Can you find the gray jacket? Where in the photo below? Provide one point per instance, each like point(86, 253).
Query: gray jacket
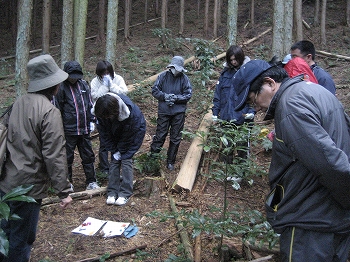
point(310, 171)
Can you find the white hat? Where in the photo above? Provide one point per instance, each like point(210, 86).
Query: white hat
point(286, 59)
point(178, 63)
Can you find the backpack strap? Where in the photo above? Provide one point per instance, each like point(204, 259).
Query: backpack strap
point(8, 110)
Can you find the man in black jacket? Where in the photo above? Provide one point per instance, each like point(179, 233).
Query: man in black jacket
point(309, 202)
point(74, 102)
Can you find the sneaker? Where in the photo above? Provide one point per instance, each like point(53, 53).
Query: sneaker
point(170, 167)
point(121, 201)
point(92, 185)
point(234, 179)
point(110, 200)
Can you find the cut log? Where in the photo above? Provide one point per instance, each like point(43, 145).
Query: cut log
point(189, 167)
point(333, 55)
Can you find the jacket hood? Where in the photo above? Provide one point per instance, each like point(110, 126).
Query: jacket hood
point(74, 70)
point(124, 111)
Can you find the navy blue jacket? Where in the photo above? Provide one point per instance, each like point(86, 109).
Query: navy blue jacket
point(223, 99)
point(167, 83)
point(74, 102)
point(324, 79)
point(124, 136)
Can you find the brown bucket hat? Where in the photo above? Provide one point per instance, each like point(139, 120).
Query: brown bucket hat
point(44, 73)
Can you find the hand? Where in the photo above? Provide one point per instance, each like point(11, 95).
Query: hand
point(66, 201)
point(107, 80)
point(117, 156)
point(214, 118)
point(169, 99)
point(92, 127)
point(249, 116)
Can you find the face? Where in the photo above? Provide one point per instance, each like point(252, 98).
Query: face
point(296, 53)
point(233, 61)
point(262, 99)
point(72, 80)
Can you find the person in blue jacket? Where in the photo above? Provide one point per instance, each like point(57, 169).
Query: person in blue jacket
point(223, 108)
point(173, 90)
point(122, 129)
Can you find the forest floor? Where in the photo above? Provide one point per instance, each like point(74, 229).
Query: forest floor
point(139, 58)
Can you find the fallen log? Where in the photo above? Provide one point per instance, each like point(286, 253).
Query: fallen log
point(76, 195)
point(333, 55)
point(189, 167)
point(116, 254)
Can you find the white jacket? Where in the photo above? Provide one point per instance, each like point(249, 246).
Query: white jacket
point(98, 89)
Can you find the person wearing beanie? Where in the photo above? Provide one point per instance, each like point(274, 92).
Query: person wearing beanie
point(74, 101)
point(36, 155)
point(173, 90)
point(309, 174)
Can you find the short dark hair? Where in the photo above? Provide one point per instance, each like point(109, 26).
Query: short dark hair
point(238, 52)
point(107, 106)
point(275, 72)
point(305, 47)
point(102, 67)
point(48, 92)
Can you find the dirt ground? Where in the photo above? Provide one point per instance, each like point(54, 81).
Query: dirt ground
point(136, 59)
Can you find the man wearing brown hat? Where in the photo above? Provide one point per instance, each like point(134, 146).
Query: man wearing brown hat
point(36, 154)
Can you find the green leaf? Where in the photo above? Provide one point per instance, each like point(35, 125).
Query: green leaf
point(4, 243)
point(21, 190)
point(4, 211)
point(24, 199)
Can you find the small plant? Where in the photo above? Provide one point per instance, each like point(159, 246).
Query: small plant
point(149, 163)
point(16, 194)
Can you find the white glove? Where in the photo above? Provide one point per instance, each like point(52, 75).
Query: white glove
point(214, 118)
point(92, 127)
point(249, 116)
point(117, 156)
point(107, 80)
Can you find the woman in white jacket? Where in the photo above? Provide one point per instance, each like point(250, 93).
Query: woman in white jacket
point(106, 80)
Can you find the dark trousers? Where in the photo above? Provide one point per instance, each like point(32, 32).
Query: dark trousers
point(83, 142)
point(21, 233)
point(120, 178)
point(166, 123)
point(103, 155)
point(301, 245)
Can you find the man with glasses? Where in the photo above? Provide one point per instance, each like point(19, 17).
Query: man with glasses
point(306, 50)
point(309, 202)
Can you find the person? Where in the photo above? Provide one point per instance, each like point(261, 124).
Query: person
point(297, 66)
point(309, 203)
point(222, 107)
point(122, 127)
point(306, 50)
point(106, 80)
point(74, 102)
point(36, 155)
point(173, 90)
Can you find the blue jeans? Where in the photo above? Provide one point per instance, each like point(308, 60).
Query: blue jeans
point(120, 187)
point(21, 233)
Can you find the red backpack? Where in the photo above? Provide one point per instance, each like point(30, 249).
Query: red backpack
point(297, 66)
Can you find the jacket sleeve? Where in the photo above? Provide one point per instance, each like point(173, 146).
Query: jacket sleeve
point(157, 90)
point(118, 85)
point(186, 94)
point(216, 100)
point(54, 152)
point(98, 89)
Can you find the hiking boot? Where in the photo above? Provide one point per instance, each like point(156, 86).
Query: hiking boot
point(170, 167)
point(121, 201)
point(92, 185)
point(110, 200)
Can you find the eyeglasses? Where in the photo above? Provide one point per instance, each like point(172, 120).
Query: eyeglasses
point(252, 103)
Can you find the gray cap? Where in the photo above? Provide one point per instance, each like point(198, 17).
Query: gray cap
point(44, 73)
point(178, 63)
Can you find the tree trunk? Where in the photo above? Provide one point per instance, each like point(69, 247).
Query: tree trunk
point(348, 13)
point(215, 19)
point(112, 27)
point(101, 37)
point(323, 23)
point(127, 19)
point(75, 19)
point(146, 12)
point(25, 8)
point(282, 27)
point(47, 7)
point(182, 16)
point(298, 20)
point(163, 25)
point(317, 12)
point(67, 32)
point(232, 12)
point(80, 33)
point(206, 18)
point(252, 11)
